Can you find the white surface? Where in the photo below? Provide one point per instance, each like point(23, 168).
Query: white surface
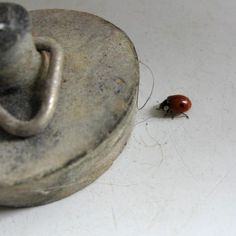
point(175, 177)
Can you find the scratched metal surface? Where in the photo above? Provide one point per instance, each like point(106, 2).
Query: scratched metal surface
point(94, 114)
point(175, 177)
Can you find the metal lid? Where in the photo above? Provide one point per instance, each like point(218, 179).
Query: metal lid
point(93, 117)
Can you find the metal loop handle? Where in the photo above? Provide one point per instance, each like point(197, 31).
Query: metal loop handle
point(49, 98)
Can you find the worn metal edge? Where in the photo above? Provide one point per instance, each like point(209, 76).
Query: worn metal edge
point(45, 190)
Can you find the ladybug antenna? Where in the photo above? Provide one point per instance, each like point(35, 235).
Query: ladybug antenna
point(153, 85)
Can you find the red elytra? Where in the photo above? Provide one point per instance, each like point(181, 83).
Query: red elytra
point(176, 104)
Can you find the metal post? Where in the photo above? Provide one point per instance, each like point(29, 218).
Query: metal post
point(19, 60)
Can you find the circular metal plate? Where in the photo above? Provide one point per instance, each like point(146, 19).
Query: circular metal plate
point(93, 117)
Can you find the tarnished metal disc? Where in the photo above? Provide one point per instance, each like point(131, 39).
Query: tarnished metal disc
point(93, 118)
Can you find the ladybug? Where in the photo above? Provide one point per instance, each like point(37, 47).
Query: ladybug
point(175, 104)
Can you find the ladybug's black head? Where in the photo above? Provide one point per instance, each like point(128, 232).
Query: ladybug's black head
point(164, 106)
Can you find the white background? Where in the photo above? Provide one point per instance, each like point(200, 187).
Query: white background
point(175, 177)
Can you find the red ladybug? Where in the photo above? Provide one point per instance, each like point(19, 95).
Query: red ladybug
point(176, 104)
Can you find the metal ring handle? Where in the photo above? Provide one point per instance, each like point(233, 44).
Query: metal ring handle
point(49, 95)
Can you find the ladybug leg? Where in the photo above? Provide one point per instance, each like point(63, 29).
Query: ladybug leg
point(170, 114)
point(185, 115)
point(165, 114)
